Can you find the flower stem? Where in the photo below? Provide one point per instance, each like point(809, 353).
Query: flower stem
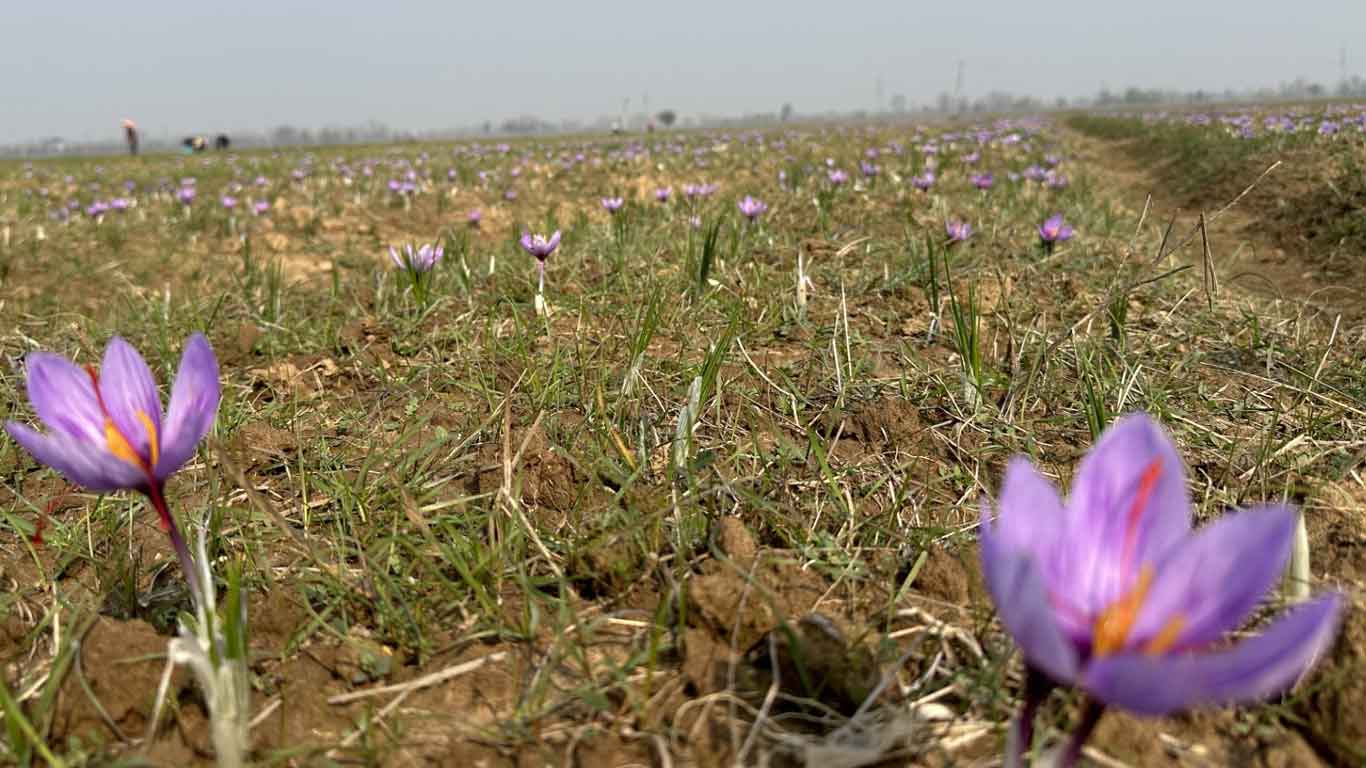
point(1090, 716)
point(1021, 736)
point(182, 552)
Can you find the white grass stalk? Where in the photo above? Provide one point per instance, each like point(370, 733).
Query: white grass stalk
point(203, 646)
point(1299, 562)
point(687, 422)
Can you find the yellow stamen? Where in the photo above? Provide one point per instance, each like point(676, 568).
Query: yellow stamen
point(1167, 637)
point(119, 446)
point(1114, 623)
point(123, 450)
point(151, 436)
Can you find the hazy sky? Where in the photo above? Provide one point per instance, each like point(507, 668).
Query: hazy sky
point(75, 68)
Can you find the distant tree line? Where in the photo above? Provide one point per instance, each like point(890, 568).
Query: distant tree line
point(994, 102)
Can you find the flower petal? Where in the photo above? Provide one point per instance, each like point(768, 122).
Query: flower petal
point(85, 464)
point(1030, 512)
point(1253, 669)
point(553, 242)
point(1210, 583)
point(1017, 588)
point(63, 396)
point(1128, 506)
point(130, 395)
point(194, 404)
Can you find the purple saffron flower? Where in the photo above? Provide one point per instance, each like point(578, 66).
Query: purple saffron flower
point(613, 204)
point(957, 230)
point(539, 245)
point(924, 181)
point(474, 217)
point(663, 194)
point(260, 207)
point(106, 430)
point(982, 181)
point(869, 170)
point(420, 260)
point(1112, 592)
point(837, 177)
point(229, 202)
point(751, 208)
point(186, 195)
point(1054, 230)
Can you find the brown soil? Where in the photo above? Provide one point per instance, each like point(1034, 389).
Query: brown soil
point(1282, 239)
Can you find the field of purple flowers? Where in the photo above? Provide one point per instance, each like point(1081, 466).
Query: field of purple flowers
point(850, 445)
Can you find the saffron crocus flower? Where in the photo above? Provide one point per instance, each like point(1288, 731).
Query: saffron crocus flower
point(229, 202)
point(837, 177)
point(1111, 592)
point(612, 204)
point(869, 170)
point(106, 430)
point(983, 181)
point(416, 260)
point(540, 247)
point(663, 194)
point(1053, 231)
point(418, 264)
point(474, 217)
point(751, 208)
point(957, 230)
point(260, 207)
point(924, 181)
point(186, 195)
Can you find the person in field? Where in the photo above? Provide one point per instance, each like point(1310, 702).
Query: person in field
point(130, 135)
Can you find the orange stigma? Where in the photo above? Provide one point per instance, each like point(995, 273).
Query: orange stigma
point(120, 445)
